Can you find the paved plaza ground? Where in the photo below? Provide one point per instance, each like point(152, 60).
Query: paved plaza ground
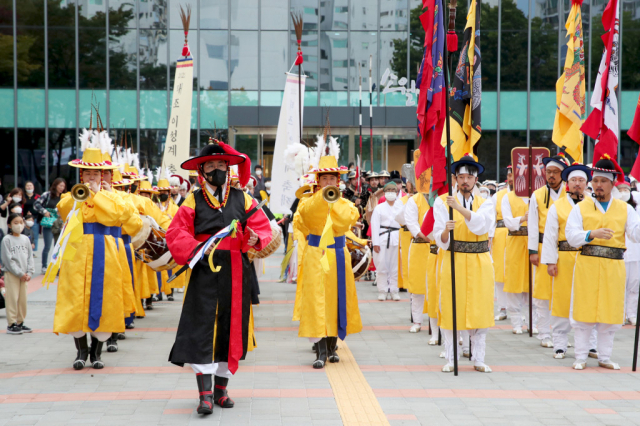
point(386, 376)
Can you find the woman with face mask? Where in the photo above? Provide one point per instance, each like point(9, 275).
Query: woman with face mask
point(14, 197)
point(29, 207)
point(45, 206)
point(631, 258)
point(17, 264)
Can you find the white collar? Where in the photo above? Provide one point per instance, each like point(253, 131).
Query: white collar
point(210, 189)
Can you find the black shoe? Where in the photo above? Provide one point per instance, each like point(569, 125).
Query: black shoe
point(332, 347)
point(149, 307)
point(121, 336)
point(95, 352)
point(206, 394)
point(14, 329)
point(402, 290)
point(83, 352)
point(321, 355)
point(170, 298)
point(112, 343)
point(130, 326)
point(139, 317)
point(24, 328)
point(220, 395)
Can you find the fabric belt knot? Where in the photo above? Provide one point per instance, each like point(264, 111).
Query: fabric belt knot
point(500, 224)
point(388, 230)
point(522, 232)
point(338, 246)
point(99, 231)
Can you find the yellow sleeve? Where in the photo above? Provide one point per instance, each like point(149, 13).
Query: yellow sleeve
point(65, 205)
point(349, 234)
point(131, 220)
point(154, 211)
point(298, 224)
point(109, 208)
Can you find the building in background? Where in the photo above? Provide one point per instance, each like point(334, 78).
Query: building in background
point(60, 54)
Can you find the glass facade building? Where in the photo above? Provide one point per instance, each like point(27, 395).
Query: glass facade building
point(59, 56)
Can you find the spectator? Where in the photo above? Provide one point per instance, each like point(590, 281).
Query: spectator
point(17, 261)
point(29, 223)
point(259, 186)
point(14, 197)
point(30, 199)
point(45, 206)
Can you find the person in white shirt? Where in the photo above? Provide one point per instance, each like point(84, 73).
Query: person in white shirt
point(498, 236)
point(631, 257)
point(385, 240)
point(473, 218)
point(600, 226)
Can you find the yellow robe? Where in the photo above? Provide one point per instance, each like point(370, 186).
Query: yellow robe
point(516, 278)
point(499, 243)
point(542, 284)
point(599, 283)
point(418, 252)
point(318, 301)
point(134, 294)
point(561, 284)
point(403, 255)
point(431, 302)
point(474, 281)
point(75, 280)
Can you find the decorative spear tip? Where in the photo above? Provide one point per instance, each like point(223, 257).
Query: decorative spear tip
point(297, 25)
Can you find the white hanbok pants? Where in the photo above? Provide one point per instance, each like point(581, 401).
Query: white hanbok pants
point(417, 306)
point(386, 268)
point(561, 328)
point(478, 338)
point(220, 369)
point(633, 287)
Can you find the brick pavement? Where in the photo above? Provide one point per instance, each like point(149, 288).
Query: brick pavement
point(277, 386)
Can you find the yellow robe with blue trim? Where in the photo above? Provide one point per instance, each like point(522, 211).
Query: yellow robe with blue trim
point(131, 228)
point(74, 283)
point(318, 299)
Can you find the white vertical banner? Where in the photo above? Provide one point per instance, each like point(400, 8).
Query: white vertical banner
point(284, 178)
point(176, 147)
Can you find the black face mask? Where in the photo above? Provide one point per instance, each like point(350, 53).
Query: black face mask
point(492, 191)
point(133, 188)
point(164, 197)
point(192, 180)
point(216, 177)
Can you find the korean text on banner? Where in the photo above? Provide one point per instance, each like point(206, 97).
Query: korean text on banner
point(283, 176)
point(176, 148)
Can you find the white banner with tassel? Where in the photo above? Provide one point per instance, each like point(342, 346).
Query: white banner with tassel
point(284, 176)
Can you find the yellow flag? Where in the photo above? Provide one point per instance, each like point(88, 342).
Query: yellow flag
point(570, 91)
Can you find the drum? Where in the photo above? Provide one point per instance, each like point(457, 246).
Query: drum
point(153, 248)
point(360, 260)
point(276, 241)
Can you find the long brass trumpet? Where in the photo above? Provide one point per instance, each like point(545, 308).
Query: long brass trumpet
point(80, 192)
point(331, 194)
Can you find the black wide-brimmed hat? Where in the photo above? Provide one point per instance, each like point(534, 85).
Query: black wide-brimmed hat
point(560, 159)
point(467, 160)
point(606, 164)
point(576, 166)
point(217, 150)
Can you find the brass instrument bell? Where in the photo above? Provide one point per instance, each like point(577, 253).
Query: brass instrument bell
point(80, 192)
point(331, 194)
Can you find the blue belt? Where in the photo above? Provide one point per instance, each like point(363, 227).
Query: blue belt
point(126, 239)
point(97, 271)
point(314, 241)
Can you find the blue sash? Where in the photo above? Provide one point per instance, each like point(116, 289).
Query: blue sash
point(159, 277)
point(338, 246)
point(126, 239)
point(98, 231)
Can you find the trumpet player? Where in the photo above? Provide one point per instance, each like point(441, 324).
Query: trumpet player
point(91, 288)
point(327, 303)
point(385, 240)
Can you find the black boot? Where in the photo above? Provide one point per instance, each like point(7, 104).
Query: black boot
point(112, 343)
point(149, 304)
point(321, 359)
point(206, 395)
point(170, 296)
point(83, 352)
point(220, 393)
point(121, 336)
point(332, 347)
point(96, 351)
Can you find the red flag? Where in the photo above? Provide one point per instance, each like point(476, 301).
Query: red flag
point(427, 224)
point(432, 102)
point(602, 123)
point(634, 133)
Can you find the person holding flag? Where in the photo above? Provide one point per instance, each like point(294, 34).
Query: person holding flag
point(216, 324)
point(541, 199)
point(599, 227)
point(473, 218)
point(560, 258)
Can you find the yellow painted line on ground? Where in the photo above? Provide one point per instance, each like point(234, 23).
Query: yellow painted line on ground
point(356, 401)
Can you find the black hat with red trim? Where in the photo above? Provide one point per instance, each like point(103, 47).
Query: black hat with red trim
point(217, 150)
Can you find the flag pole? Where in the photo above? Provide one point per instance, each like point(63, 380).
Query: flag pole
point(360, 120)
point(371, 111)
point(447, 66)
point(635, 345)
point(297, 24)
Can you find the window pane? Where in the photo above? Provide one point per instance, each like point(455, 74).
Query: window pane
point(62, 108)
point(508, 141)
point(487, 154)
point(393, 60)
point(61, 14)
point(123, 6)
point(153, 109)
point(274, 59)
point(393, 15)
point(152, 14)
point(310, 54)
point(309, 10)
point(244, 15)
point(544, 59)
point(31, 108)
point(62, 58)
point(364, 15)
point(333, 14)
point(62, 149)
point(489, 50)
point(30, 56)
point(248, 144)
point(215, 60)
point(92, 58)
point(514, 15)
point(363, 46)
point(90, 9)
point(513, 67)
point(274, 15)
point(31, 158)
point(122, 59)
point(334, 61)
point(6, 15)
point(153, 59)
point(244, 60)
point(6, 160)
point(214, 15)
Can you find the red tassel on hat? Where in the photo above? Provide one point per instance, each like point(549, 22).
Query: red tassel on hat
point(452, 41)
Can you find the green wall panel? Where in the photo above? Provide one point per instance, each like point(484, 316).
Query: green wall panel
point(6, 106)
point(122, 105)
point(62, 108)
point(488, 109)
point(513, 110)
point(543, 110)
point(30, 108)
point(629, 102)
point(213, 109)
point(153, 109)
point(87, 114)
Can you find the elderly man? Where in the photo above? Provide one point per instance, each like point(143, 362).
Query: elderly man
point(216, 326)
point(473, 218)
point(599, 226)
point(541, 200)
